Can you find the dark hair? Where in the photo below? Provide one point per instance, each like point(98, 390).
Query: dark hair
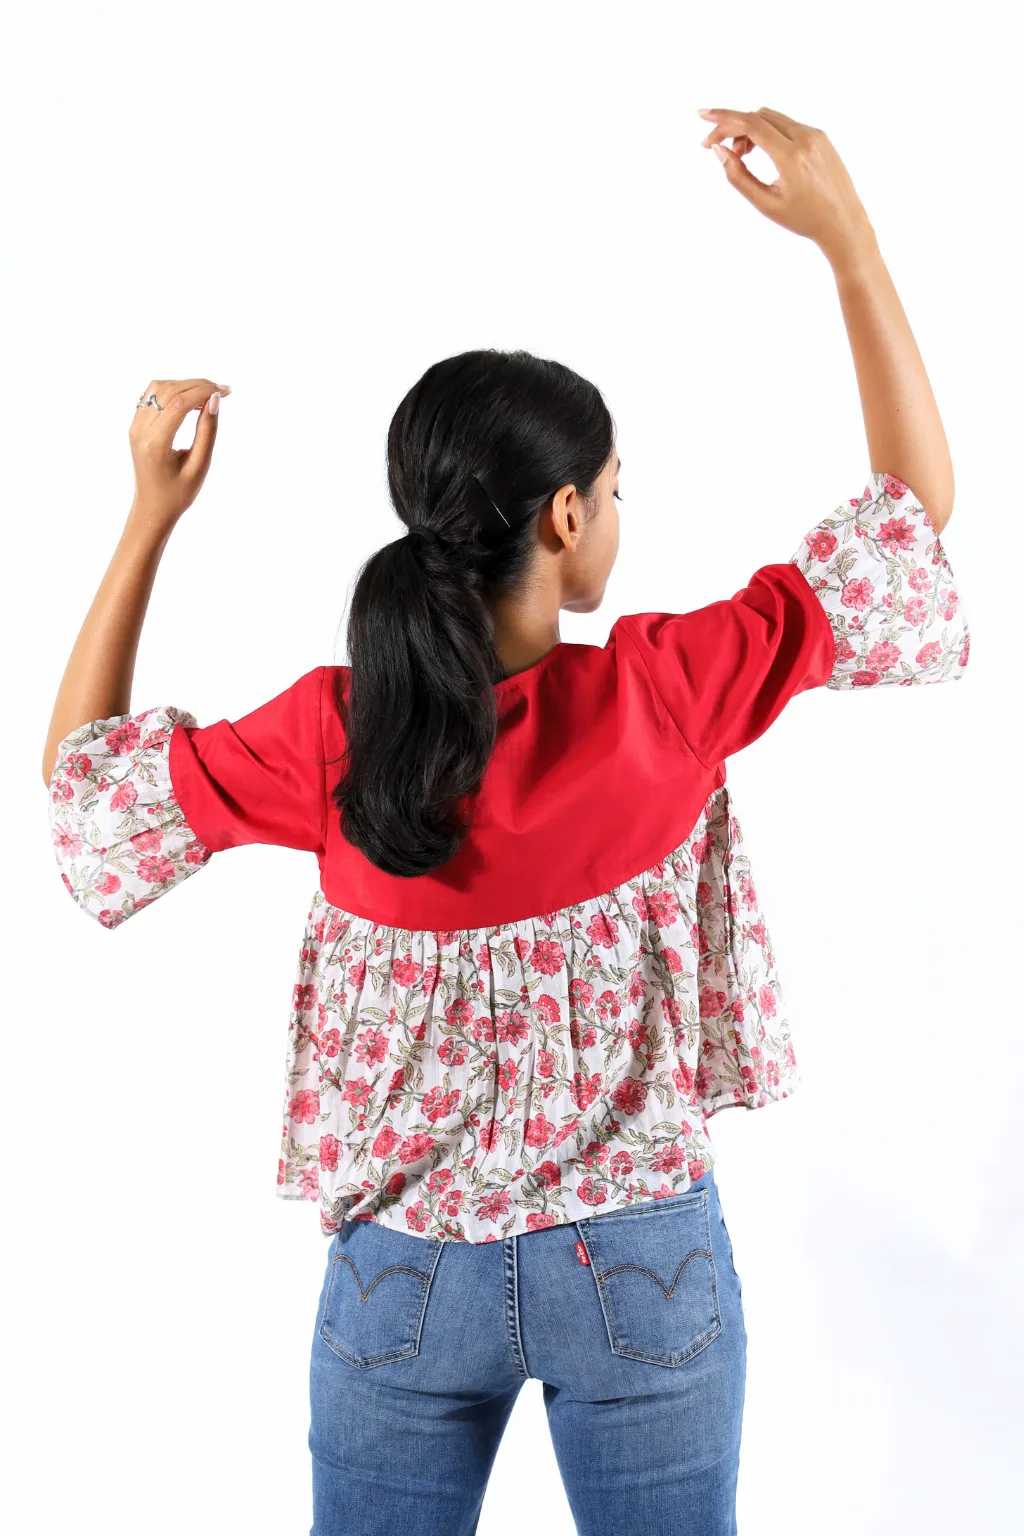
point(421, 716)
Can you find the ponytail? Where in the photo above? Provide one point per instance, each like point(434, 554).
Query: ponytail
point(475, 450)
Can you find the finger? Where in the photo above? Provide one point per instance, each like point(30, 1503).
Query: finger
point(197, 458)
point(763, 196)
point(165, 389)
point(731, 125)
point(177, 405)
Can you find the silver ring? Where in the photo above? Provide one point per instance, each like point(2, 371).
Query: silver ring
point(149, 400)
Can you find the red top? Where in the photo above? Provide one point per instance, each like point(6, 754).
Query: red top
point(604, 759)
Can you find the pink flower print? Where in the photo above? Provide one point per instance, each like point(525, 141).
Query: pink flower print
point(883, 656)
point(371, 1046)
point(670, 1009)
point(537, 1131)
point(492, 1206)
point(608, 1006)
point(928, 653)
point(304, 1107)
point(110, 918)
point(483, 958)
point(858, 593)
point(548, 1175)
point(453, 1052)
point(546, 1009)
point(548, 957)
point(915, 611)
point(512, 1027)
point(521, 947)
point(766, 999)
point(459, 1013)
point(304, 997)
point(357, 1092)
point(77, 765)
point(711, 1002)
point(946, 605)
point(330, 1042)
point(508, 1072)
point(357, 974)
point(536, 1220)
point(896, 534)
point(667, 1159)
point(696, 1168)
point(329, 1153)
point(592, 1192)
point(682, 1076)
point(699, 847)
point(640, 907)
point(672, 962)
point(439, 1180)
point(438, 1105)
point(894, 488)
point(405, 970)
point(585, 1089)
point(62, 792)
point(821, 544)
point(747, 890)
point(621, 1165)
point(156, 869)
point(489, 1135)
point(123, 739)
point(395, 1185)
point(415, 1147)
point(582, 1035)
point(603, 931)
point(630, 1096)
point(545, 1064)
point(965, 652)
point(663, 907)
point(107, 884)
point(864, 679)
point(581, 993)
point(417, 1216)
point(920, 579)
point(196, 852)
point(385, 1142)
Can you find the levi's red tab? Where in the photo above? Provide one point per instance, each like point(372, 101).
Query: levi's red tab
point(581, 1253)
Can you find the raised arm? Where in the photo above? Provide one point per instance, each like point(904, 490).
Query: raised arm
point(97, 681)
point(815, 197)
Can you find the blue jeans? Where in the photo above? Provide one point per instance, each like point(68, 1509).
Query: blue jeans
point(632, 1320)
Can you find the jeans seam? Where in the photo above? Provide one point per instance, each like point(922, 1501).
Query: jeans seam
point(510, 1263)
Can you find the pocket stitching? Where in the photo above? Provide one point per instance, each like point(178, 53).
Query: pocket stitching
point(404, 1351)
point(607, 1307)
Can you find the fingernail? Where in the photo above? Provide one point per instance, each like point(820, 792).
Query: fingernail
point(213, 405)
point(721, 152)
point(225, 389)
point(703, 111)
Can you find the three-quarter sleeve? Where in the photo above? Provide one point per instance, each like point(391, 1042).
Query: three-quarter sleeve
point(878, 568)
point(120, 836)
point(868, 598)
point(138, 802)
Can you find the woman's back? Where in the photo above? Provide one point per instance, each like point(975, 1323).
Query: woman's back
point(542, 1026)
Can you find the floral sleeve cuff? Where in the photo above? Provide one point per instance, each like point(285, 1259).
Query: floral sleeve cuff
point(120, 837)
point(879, 569)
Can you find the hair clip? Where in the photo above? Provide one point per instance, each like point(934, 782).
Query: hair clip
point(492, 501)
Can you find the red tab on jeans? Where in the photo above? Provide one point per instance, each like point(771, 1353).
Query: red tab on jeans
point(581, 1253)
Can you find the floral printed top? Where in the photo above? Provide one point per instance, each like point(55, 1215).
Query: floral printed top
point(541, 1029)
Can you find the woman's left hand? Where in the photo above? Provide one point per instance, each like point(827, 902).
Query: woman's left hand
point(168, 479)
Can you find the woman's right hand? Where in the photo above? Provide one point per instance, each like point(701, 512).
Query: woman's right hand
point(813, 196)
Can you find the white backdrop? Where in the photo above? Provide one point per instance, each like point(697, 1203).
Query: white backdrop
point(313, 203)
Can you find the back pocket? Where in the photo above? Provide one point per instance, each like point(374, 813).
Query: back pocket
point(377, 1292)
point(655, 1275)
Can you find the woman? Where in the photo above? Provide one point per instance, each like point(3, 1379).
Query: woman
point(534, 965)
